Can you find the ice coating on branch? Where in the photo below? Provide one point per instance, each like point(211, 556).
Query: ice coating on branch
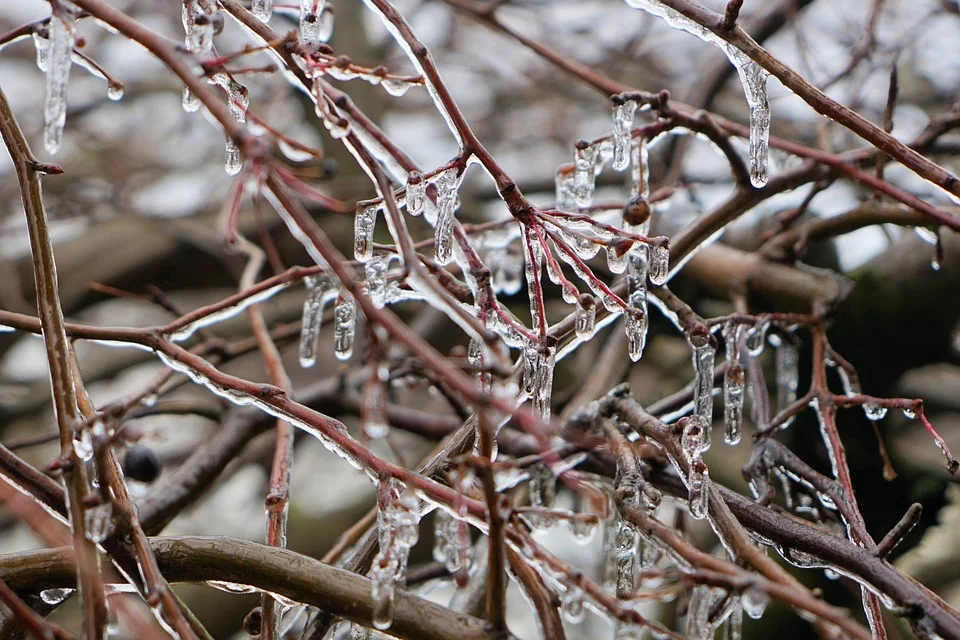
point(703, 357)
point(623, 112)
point(416, 193)
point(692, 441)
point(344, 326)
point(753, 77)
point(698, 614)
point(310, 22)
point(318, 294)
point(262, 9)
point(585, 166)
point(733, 384)
point(735, 623)
point(396, 86)
point(364, 225)
point(398, 522)
point(58, 61)
point(83, 444)
point(446, 183)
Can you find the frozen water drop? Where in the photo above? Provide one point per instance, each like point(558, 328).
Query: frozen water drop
point(364, 225)
point(345, 319)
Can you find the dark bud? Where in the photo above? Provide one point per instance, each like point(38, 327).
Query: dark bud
point(636, 211)
point(253, 622)
point(142, 464)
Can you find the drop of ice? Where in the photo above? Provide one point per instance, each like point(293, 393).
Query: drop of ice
point(395, 86)
point(115, 91)
point(54, 597)
point(97, 521)
point(754, 602)
point(232, 160)
point(572, 605)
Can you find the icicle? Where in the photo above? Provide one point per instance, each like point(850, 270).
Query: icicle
point(623, 112)
point(310, 11)
point(376, 272)
point(659, 263)
point(533, 261)
point(584, 528)
point(586, 317)
point(446, 184)
point(543, 485)
point(733, 384)
point(635, 317)
point(543, 381)
point(787, 362)
point(698, 614)
point(364, 225)
point(625, 552)
point(754, 80)
point(445, 550)
point(262, 9)
point(200, 35)
point(317, 292)
point(416, 193)
point(565, 189)
point(752, 77)
point(398, 530)
point(695, 431)
point(585, 163)
point(345, 319)
point(59, 59)
point(703, 356)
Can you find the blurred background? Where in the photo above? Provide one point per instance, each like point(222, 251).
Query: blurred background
point(144, 183)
